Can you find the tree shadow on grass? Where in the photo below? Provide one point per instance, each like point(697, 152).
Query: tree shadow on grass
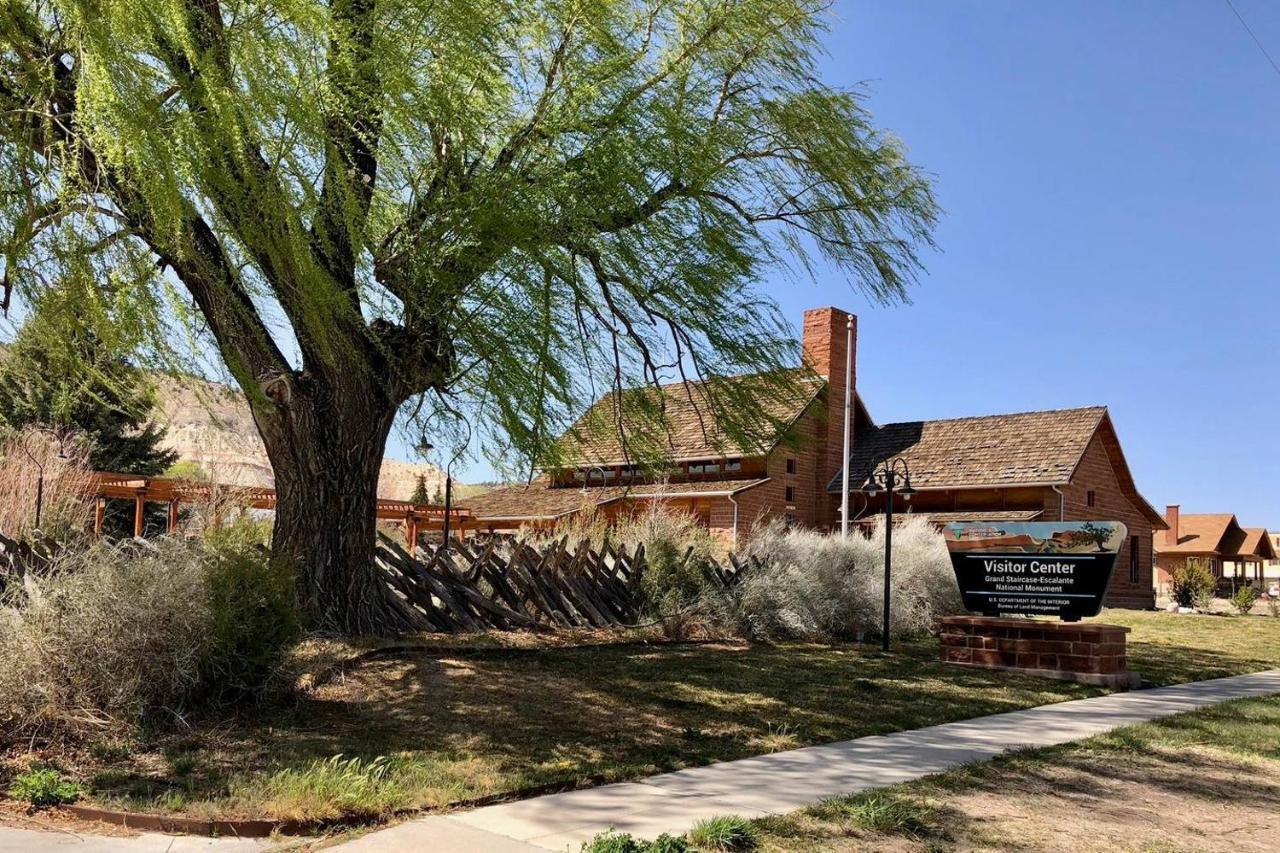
point(1161, 664)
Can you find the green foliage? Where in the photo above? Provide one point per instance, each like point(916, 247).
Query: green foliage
point(724, 834)
point(505, 203)
point(1244, 599)
point(878, 811)
point(613, 841)
point(1192, 584)
point(60, 374)
point(339, 785)
point(419, 495)
point(670, 581)
point(668, 844)
point(253, 614)
point(186, 469)
point(44, 787)
point(1091, 534)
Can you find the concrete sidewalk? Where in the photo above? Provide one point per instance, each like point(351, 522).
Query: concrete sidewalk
point(68, 841)
point(768, 784)
point(786, 781)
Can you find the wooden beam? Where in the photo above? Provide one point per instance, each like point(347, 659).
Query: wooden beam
point(99, 510)
point(139, 508)
point(173, 515)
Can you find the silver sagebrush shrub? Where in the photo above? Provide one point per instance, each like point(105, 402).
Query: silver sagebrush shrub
point(812, 586)
point(117, 633)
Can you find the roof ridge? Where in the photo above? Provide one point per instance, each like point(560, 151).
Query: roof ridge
point(1099, 408)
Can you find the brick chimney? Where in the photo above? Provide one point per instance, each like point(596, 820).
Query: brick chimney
point(825, 344)
point(1171, 518)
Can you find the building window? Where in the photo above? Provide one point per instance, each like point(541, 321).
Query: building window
point(1134, 558)
point(791, 466)
point(1091, 497)
point(733, 465)
point(704, 467)
point(791, 494)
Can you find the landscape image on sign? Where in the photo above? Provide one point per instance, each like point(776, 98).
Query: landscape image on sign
point(1040, 568)
point(1037, 537)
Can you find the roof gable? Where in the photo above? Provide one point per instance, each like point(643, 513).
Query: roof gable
point(1255, 542)
point(1203, 533)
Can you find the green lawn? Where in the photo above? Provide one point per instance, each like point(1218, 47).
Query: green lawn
point(1208, 780)
point(459, 720)
point(1169, 648)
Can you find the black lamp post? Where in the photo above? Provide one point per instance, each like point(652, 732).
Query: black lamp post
point(39, 463)
point(893, 476)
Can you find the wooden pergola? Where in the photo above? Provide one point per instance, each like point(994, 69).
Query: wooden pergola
point(106, 485)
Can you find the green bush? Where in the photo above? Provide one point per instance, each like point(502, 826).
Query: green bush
point(1244, 599)
point(725, 834)
point(253, 616)
point(623, 842)
point(1192, 584)
point(670, 582)
point(877, 811)
point(614, 842)
point(44, 787)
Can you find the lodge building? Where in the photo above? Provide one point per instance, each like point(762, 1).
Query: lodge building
point(1064, 464)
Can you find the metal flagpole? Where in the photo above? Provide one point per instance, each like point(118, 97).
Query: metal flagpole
point(848, 411)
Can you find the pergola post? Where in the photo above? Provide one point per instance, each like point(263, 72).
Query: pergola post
point(173, 515)
point(99, 510)
point(139, 508)
point(411, 531)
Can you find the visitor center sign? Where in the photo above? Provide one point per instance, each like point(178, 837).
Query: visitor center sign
point(1034, 568)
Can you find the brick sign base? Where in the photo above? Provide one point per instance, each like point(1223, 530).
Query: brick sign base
point(1092, 654)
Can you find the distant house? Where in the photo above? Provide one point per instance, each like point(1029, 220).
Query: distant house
point(1236, 555)
point(1049, 465)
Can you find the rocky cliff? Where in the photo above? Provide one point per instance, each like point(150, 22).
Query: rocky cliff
point(209, 424)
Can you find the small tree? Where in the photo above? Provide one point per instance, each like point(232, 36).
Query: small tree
point(1244, 599)
point(1092, 534)
point(419, 495)
point(1192, 584)
point(62, 375)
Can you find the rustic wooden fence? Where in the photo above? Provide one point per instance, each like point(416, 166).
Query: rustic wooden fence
point(480, 586)
point(18, 556)
point(519, 586)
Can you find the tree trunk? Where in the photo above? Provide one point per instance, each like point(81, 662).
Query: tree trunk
point(326, 447)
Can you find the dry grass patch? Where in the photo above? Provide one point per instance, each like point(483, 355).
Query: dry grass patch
point(434, 726)
point(442, 720)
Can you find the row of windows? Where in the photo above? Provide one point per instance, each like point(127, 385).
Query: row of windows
point(626, 472)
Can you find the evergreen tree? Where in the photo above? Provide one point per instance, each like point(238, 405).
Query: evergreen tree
point(419, 495)
point(66, 379)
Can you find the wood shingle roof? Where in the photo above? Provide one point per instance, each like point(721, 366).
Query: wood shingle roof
point(690, 429)
point(1024, 449)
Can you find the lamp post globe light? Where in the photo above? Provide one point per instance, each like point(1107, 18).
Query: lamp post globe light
point(893, 477)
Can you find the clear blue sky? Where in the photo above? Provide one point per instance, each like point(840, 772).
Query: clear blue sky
point(1111, 178)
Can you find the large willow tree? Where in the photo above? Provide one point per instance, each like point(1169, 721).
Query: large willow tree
point(479, 210)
